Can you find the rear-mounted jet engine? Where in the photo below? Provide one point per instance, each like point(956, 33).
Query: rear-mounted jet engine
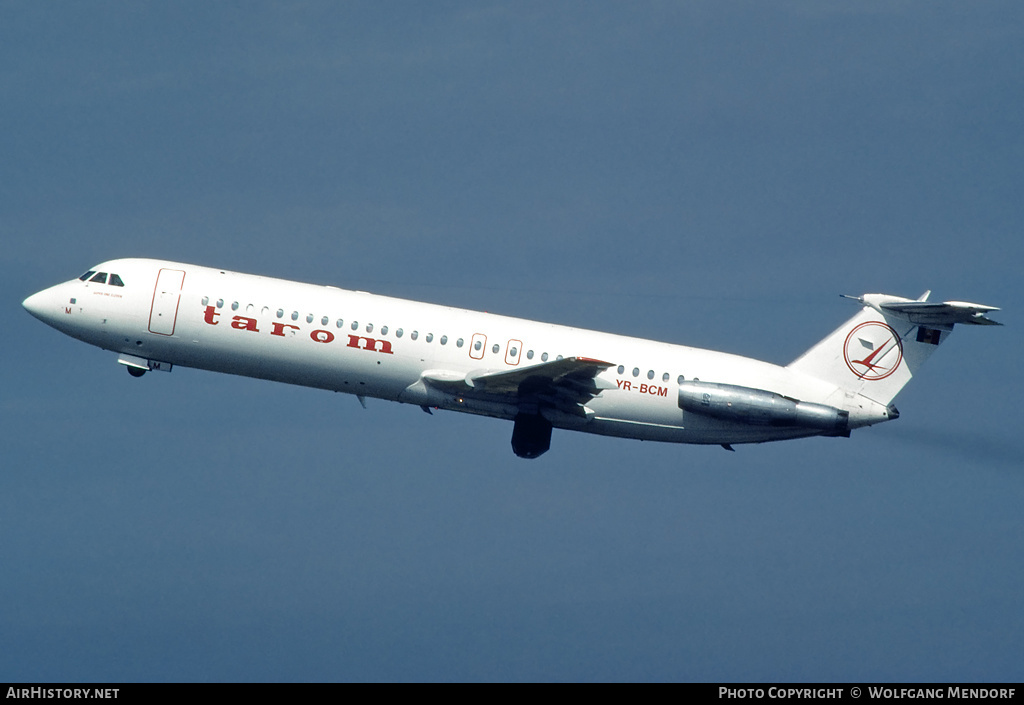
point(761, 407)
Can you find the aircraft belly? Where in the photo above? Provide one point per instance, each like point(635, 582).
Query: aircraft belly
point(701, 434)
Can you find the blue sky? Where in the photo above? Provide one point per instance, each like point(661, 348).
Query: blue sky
point(703, 173)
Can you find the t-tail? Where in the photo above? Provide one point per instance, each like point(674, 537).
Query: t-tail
point(875, 353)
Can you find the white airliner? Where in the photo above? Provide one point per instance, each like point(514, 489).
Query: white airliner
point(157, 314)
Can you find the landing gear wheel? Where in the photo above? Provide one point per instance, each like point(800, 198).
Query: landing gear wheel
point(531, 435)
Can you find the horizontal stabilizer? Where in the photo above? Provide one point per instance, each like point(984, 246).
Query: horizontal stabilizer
point(923, 312)
point(945, 313)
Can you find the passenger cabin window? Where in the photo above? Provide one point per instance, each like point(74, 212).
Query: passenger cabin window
point(100, 278)
point(205, 301)
point(324, 321)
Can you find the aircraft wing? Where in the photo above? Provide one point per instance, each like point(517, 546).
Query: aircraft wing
point(566, 384)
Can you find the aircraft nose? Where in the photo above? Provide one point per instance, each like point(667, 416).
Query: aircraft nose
point(42, 305)
point(34, 304)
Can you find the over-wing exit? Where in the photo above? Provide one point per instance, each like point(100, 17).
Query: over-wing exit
point(156, 315)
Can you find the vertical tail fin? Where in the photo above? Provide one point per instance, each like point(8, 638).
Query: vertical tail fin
point(880, 349)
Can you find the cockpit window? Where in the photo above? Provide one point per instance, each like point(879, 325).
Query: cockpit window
point(87, 274)
point(100, 278)
point(115, 280)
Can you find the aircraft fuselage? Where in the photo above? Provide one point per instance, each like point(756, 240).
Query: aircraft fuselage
point(160, 314)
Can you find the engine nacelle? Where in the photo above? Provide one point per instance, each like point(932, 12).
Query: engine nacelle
point(760, 407)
